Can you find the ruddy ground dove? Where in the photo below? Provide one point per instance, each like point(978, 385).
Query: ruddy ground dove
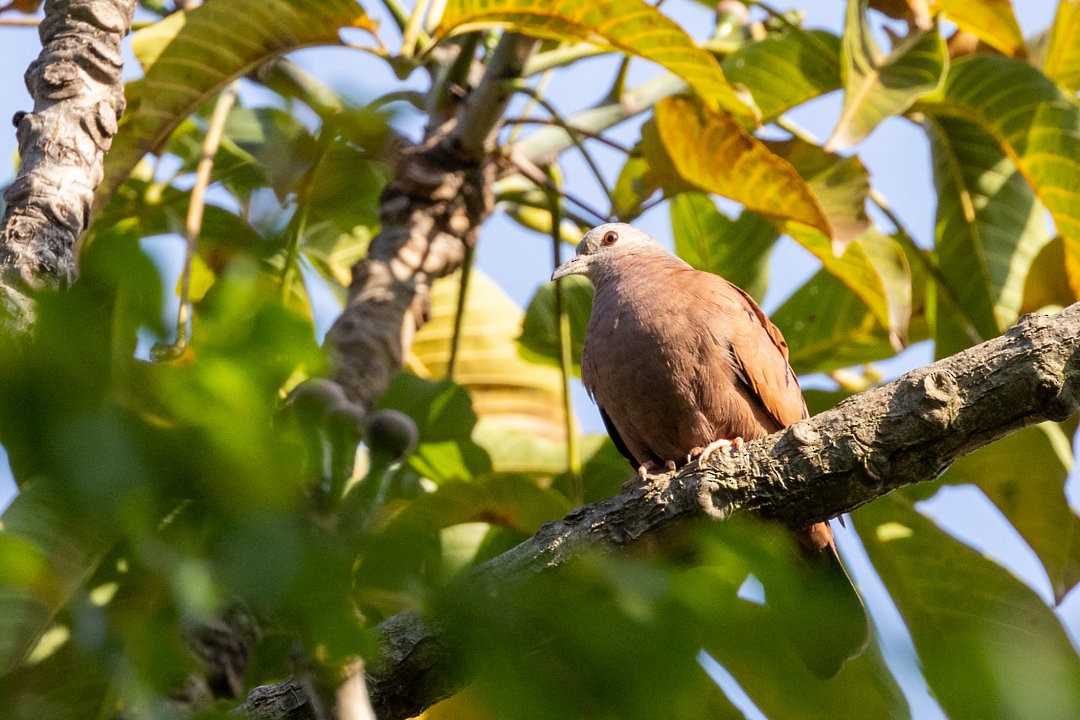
point(679, 361)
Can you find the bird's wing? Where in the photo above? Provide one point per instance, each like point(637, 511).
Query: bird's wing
point(613, 432)
point(760, 358)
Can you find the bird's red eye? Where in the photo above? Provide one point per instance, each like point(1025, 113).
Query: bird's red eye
point(610, 237)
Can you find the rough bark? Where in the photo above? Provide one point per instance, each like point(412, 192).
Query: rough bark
point(902, 433)
point(78, 98)
point(430, 216)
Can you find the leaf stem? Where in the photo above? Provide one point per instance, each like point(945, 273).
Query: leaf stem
point(193, 221)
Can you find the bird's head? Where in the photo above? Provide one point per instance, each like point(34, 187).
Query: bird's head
point(603, 246)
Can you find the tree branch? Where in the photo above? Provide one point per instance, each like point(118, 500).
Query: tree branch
point(78, 97)
point(905, 432)
point(431, 213)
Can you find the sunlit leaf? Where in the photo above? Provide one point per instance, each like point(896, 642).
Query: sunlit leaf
point(197, 52)
point(1024, 475)
point(1036, 124)
point(989, 647)
point(630, 26)
point(877, 86)
point(1062, 62)
point(786, 70)
point(989, 229)
point(1046, 288)
point(992, 21)
point(737, 249)
point(712, 151)
point(883, 291)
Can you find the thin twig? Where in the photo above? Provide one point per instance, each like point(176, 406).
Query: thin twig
point(193, 222)
point(459, 311)
point(573, 461)
point(570, 128)
point(523, 87)
point(527, 168)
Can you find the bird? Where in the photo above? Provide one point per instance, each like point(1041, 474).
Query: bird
point(679, 361)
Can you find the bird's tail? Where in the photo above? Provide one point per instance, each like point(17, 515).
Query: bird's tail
point(838, 628)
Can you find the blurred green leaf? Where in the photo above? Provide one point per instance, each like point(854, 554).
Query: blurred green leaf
point(807, 603)
point(989, 647)
point(738, 249)
point(444, 415)
point(877, 86)
point(1024, 475)
point(61, 549)
point(989, 229)
point(602, 637)
point(782, 71)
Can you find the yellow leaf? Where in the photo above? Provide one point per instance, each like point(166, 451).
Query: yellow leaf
point(992, 21)
point(1062, 62)
point(629, 26)
point(712, 150)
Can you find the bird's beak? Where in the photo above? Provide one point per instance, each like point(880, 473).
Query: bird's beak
point(577, 265)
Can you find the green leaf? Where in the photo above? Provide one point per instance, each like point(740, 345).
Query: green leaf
point(827, 326)
point(57, 551)
point(884, 290)
point(989, 647)
point(1062, 62)
point(805, 602)
point(193, 54)
point(877, 87)
point(840, 184)
point(737, 249)
point(786, 70)
point(1024, 475)
point(1035, 123)
point(712, 151)
point(539, 337)
point(989, 229)
point(992, 21)
point(629, 26)
point(636, 183)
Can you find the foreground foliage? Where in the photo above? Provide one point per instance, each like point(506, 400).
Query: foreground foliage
point(156, 495)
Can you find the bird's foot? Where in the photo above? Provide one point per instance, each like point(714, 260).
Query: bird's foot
point(703, 454)
point(642, 478)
